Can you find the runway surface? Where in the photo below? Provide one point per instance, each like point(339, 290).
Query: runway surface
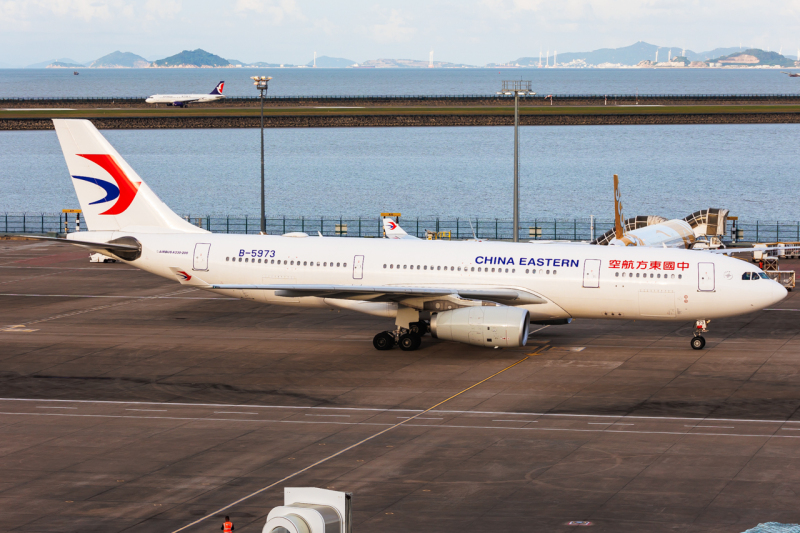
point(131, 403)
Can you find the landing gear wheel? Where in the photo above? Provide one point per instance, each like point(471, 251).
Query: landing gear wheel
point(698, 342)
point(383, 341)
point(419, 328)
point(409, 342)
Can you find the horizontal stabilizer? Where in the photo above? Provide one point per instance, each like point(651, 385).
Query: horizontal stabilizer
point(109, 246)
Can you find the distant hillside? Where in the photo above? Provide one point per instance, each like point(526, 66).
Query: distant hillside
point(62, 64)
point(192, 58)
point(628, 55)
point(331, 62)
point(716, 52)
point(65, 60)
point(755, 56)
point(120, 60)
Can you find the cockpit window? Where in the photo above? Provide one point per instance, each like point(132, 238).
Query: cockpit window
point(746, 275)
point(763, 275)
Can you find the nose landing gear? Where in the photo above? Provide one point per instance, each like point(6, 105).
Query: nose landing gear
point(700, 327)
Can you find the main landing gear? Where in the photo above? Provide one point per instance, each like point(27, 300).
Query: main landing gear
point(698, 341)
point(408, 339)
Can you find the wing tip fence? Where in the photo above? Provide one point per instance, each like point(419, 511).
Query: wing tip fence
point(575, 229)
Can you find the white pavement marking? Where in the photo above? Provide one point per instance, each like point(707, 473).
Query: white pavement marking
point(126, 297)
point(233, 413)
point(523, 421)
point(149, 410)
point(8, 265)
point(722, 427)
point(391, 425)
point(38, 109)
point(48, 407)
point(314, 414)
point(444, 411)
point(29, 277)
point(348, 448)
point(99, 308)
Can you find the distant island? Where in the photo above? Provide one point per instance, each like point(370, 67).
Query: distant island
point(192, 59)
point(637, 55)
point(331, 62)
point(64, 64)
point(120, 60)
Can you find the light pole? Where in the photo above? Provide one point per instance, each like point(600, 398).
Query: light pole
point(517, 88)
point(261, 83)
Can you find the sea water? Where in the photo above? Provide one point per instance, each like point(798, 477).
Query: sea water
point(565, 171)
point(27, 83)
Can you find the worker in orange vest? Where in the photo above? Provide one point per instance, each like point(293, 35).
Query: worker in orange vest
point(227, 526)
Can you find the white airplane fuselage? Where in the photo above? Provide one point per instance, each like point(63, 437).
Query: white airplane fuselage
point(183, 98)
point(576, 280)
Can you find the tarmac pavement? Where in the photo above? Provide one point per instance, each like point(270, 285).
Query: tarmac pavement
point(131, 403)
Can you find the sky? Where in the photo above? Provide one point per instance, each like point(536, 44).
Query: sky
point(461, 31)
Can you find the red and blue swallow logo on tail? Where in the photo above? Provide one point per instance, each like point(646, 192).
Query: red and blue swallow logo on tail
point(392, 225)
point(184, 275)
point(218, 88)
point(124, 191)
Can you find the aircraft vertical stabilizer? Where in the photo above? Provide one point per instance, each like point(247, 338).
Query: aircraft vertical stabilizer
point(619, 220)
point(112, 195)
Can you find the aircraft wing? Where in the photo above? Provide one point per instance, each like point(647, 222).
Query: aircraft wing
point(390, 293)
point(726, 251)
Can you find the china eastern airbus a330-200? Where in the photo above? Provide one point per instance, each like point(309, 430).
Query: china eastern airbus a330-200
point(476, 292)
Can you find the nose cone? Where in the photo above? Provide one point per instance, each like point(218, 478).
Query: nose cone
point(778, 292)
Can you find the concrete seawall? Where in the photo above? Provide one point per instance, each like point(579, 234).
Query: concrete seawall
point(371, 121)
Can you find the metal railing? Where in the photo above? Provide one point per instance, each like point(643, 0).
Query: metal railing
point(566, 229)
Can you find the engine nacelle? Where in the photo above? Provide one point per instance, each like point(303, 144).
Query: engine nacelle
point(483, 326)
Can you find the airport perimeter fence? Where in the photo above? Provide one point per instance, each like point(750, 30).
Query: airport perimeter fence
point(561, 229)
point(411, 97)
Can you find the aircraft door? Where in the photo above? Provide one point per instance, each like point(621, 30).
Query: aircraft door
point(705, 276)
point(358, 267)
point(591, 273)
point(201, 250)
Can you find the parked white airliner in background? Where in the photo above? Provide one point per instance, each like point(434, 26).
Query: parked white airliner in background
point(181, 100)
point(480, 293)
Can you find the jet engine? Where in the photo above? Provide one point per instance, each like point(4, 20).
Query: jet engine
point(483, 326)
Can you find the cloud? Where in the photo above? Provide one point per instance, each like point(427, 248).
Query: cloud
point(162, 9)
point(87, 10)
point(393, 30)
point(277, 11)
